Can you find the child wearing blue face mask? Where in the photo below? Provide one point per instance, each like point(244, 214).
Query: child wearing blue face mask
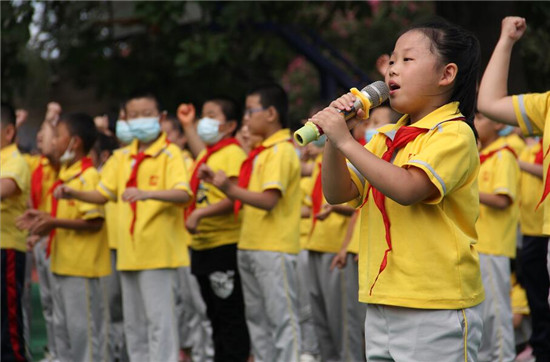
point(150, 179)
point(215, 230)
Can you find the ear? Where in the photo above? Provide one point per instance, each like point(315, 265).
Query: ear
point(10, 133)
point(272, 115)
point(231, 126)
point(78, 144)
point(382, 64)
point(448, 75)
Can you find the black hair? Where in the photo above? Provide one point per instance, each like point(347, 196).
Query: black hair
point(8, 114)
point(230, 109)
point(83, 126)
point(105, 143)
point(453, 44)
point(142, 94)
point(273, 95)
point(173, 120)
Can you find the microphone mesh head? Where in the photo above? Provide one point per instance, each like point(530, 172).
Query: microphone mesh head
point(377, 92)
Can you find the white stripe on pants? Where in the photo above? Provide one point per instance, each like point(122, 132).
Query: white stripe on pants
point(269, 288)
point(497, 343)
point(328, 302)
point(422, 335)
point(80, 318)
point(355, 310)
point(117, 343)
point(310, 344)
point(150, 322)
point(45, 280)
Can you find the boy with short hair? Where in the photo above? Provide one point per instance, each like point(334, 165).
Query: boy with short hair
point(149, 177)
point(269, 189)
point(14, 190)
point(77, 245)
point(496, 228)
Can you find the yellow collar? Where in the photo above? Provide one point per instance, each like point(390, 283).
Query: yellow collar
point(68, 173)
point(153, 150)
point(430, 121)
point(281, 135)
point(495, 145)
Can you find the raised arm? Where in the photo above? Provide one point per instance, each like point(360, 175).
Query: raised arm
point(493, 99)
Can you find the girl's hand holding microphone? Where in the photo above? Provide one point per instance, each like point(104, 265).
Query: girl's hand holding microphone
point(331, 120)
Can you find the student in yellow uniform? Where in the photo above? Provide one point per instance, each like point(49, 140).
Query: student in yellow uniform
point(269, 189)
point(193, 324)
point(14, 190)
point(496, 230)
point(100, 153)
point(418, 268)
point(152, 183)
point(531, 112)
point(309, 350)
point(44, 172)
point(328, 229)
point(78, 248)
point(215, 231)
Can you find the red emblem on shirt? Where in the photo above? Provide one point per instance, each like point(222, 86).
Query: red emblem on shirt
point(153, 180)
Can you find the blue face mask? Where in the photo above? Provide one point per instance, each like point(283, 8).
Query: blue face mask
point(208, 130)
point(369, 133)
point(145, 129)
point(505, 131)
point(320, 142)
point(123, 132)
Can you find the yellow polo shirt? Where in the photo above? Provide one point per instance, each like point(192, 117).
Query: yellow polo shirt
point(218, 230)
point(305, 222)
point(49, 176)
point(277, 167)
point(496, 228)
point(533, 116)
point(530, 218)
point(433, 264)
point(13, 166)
point(328, 234)
point(516, 142)
point(518, 297)
point(77, 252)
point(353, 246)
point(158, 240)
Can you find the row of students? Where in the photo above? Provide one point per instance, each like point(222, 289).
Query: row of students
point(418, 181)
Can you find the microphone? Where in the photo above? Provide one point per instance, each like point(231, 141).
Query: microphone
point(369, 97)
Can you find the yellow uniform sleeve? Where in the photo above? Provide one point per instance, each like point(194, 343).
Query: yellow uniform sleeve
point(532, 110)
point(17, 170)
point(177, 176)
point(506, 175)
point(90, 180)
point(278, 175)
point(108, 185)
point(447, 157)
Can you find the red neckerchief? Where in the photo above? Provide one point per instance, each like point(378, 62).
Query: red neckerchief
point(194, 182)
point(132, 182)
point(86, 163)
point(484, 157)
point(317, 197)
point(245, 174)
point(538, 156)
point(36, 184)
point(546, 190)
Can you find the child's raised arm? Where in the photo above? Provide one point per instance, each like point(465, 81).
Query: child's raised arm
point(493, 99)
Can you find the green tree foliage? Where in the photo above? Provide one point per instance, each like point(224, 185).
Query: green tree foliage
point(15, 35)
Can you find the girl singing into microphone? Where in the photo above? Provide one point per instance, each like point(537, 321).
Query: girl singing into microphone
point(418, 268)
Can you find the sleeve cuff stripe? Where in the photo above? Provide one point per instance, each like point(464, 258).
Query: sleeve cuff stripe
point(432, 171)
